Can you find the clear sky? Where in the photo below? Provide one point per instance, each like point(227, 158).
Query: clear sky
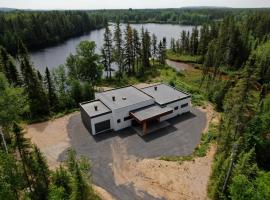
point(112, 4)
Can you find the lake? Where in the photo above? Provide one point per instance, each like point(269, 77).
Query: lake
point(56, 55)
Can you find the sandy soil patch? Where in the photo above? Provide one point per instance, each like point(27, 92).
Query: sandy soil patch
point(179, 66)
point(51, 137)
point(103, 194)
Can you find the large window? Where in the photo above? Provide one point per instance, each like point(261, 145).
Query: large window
point(184, 105)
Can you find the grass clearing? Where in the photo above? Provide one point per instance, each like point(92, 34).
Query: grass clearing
point(183, 57)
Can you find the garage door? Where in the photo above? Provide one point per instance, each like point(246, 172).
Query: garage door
point(102, 126)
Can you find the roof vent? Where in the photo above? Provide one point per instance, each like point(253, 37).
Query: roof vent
point(124, 98)
point(96, 108)
point(155, 88)
point(113, 98)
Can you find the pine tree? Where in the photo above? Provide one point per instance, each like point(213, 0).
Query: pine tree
point(161, 53)
point(53, 100)
point(40, 171)
point(108, 49)
point(154, 47)
point(194, 41)
point(128, 49)
point(118, 47)
point(23, 146)
point(11, 178)
point(137, 47)
point(146, 48)
point(8, 67)
point(173, 45)
point(39, 105)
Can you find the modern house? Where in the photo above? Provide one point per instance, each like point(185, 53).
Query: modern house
point(146, 110)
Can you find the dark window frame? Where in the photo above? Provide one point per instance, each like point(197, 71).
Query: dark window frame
point(127, 118)
point(184, 105)
point(176, 108)
point(118, 121)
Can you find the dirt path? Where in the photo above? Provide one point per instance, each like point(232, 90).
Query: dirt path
point(179, 66)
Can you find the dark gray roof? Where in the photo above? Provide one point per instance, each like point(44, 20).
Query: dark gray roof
point(151, 112)
point(165, 94)
point(89, 107)
point(123, 97)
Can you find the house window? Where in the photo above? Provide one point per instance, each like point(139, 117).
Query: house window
point(184, 105)
point(127, 118)
point(176, 108)
point(118, 121)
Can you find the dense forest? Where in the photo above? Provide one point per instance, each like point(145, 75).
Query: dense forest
point(234, 58)
point(40, 29)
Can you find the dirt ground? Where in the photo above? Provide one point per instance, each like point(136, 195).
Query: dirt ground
point(161, 179)
point(164, 179)
point(179, 66)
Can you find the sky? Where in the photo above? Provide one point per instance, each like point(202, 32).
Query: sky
point(115, 4)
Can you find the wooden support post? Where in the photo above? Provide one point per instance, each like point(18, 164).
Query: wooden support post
point(144, 127)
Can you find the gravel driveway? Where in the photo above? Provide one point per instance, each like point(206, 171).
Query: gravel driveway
point(179, 139)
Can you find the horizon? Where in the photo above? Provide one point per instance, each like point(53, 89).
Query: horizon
point(127, 4)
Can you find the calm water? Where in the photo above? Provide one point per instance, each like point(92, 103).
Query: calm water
point(56, 55)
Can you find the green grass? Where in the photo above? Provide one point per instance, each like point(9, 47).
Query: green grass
point(188, 81)
point(183, 57)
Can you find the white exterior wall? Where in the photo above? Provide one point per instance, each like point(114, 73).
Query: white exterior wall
point(179, 111)
point(124, 112)
point(101, 119)
point(185, 109)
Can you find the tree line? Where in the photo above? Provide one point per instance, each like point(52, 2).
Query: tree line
point(184, 16)
point(236, 77)
point(26, 94)
point(40, 29)
point(131, 50)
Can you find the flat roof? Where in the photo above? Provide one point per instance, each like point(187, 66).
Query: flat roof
point(151, 112)
point(124, 97)
point(164, 94)
point(89, 108)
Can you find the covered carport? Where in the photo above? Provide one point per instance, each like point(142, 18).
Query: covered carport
point(146, 116)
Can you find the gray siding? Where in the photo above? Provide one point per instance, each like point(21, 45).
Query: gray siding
point(86, 120)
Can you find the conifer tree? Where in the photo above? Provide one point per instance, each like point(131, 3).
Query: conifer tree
point(23, 147)
point(53, 100)
point(128, 50)
point(40, 173)
point(154, 47)
point(39, 105)
point(146, 48)
point(118, 48)
point(194, 41)
point(137, 47)
point(161, 53)
point(108, 49)
point(8, 67)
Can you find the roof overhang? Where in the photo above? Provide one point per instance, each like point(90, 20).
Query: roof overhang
point(149, 113)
